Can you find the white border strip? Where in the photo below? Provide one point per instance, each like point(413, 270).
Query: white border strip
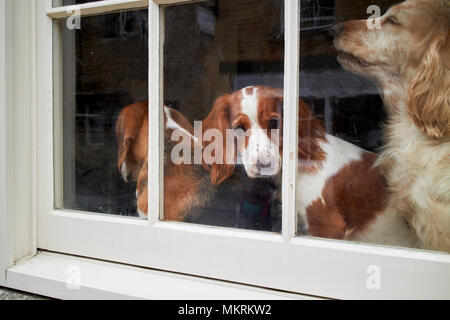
point(6, 221)
point(44, 140)
point(67, 277)
point(33, 124)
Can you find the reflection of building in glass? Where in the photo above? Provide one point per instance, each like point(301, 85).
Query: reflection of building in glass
point(105, 67)
point(248, 49)
point(316, 15)
point(210, 48)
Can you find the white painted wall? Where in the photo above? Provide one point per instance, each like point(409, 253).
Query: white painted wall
point(6, 225)
point(17, 125)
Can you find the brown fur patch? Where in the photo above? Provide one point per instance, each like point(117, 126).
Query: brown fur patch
point(351, 200)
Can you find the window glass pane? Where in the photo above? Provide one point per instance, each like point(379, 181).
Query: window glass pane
point(222, 61)
point(104, 67)
point(58, 3)
point(365, 171)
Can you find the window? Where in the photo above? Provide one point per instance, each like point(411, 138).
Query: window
point(212, 49)
point(122, 176)
point(100, 74)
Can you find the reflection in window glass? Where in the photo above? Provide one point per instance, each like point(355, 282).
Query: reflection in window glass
point(104, 68)
point(221, 61)
point(342, 193)
point(58, 3)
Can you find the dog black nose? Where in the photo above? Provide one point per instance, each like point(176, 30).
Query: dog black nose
point(337, 29)
point(261, 165)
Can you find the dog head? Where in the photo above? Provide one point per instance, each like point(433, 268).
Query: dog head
point(254, 116)
point(406, 50)
point(249, 122)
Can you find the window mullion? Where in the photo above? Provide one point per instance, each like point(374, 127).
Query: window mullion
point(155, 137)
point(290, 129)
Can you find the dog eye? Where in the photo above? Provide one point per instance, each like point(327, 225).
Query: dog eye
point(392, 20)
point(274, 123)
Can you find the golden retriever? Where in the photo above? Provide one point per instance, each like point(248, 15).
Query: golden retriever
point(408, 58)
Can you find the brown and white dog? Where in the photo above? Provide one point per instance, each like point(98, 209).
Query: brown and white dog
point(408, 58)
point(186, 186)
point(340, 194)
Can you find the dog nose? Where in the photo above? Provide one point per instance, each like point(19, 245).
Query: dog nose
point(128, 177)
point(337, 29)
point(261, 165)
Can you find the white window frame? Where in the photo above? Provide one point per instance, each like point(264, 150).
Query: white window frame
point(28, 220)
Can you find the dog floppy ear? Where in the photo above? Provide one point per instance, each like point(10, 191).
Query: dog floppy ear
point(128, 126)
point(428, 99)
point(219, 118)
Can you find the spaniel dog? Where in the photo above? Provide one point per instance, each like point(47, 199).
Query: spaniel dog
point(408, 57)
point(340, 194)
point(187, 189)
